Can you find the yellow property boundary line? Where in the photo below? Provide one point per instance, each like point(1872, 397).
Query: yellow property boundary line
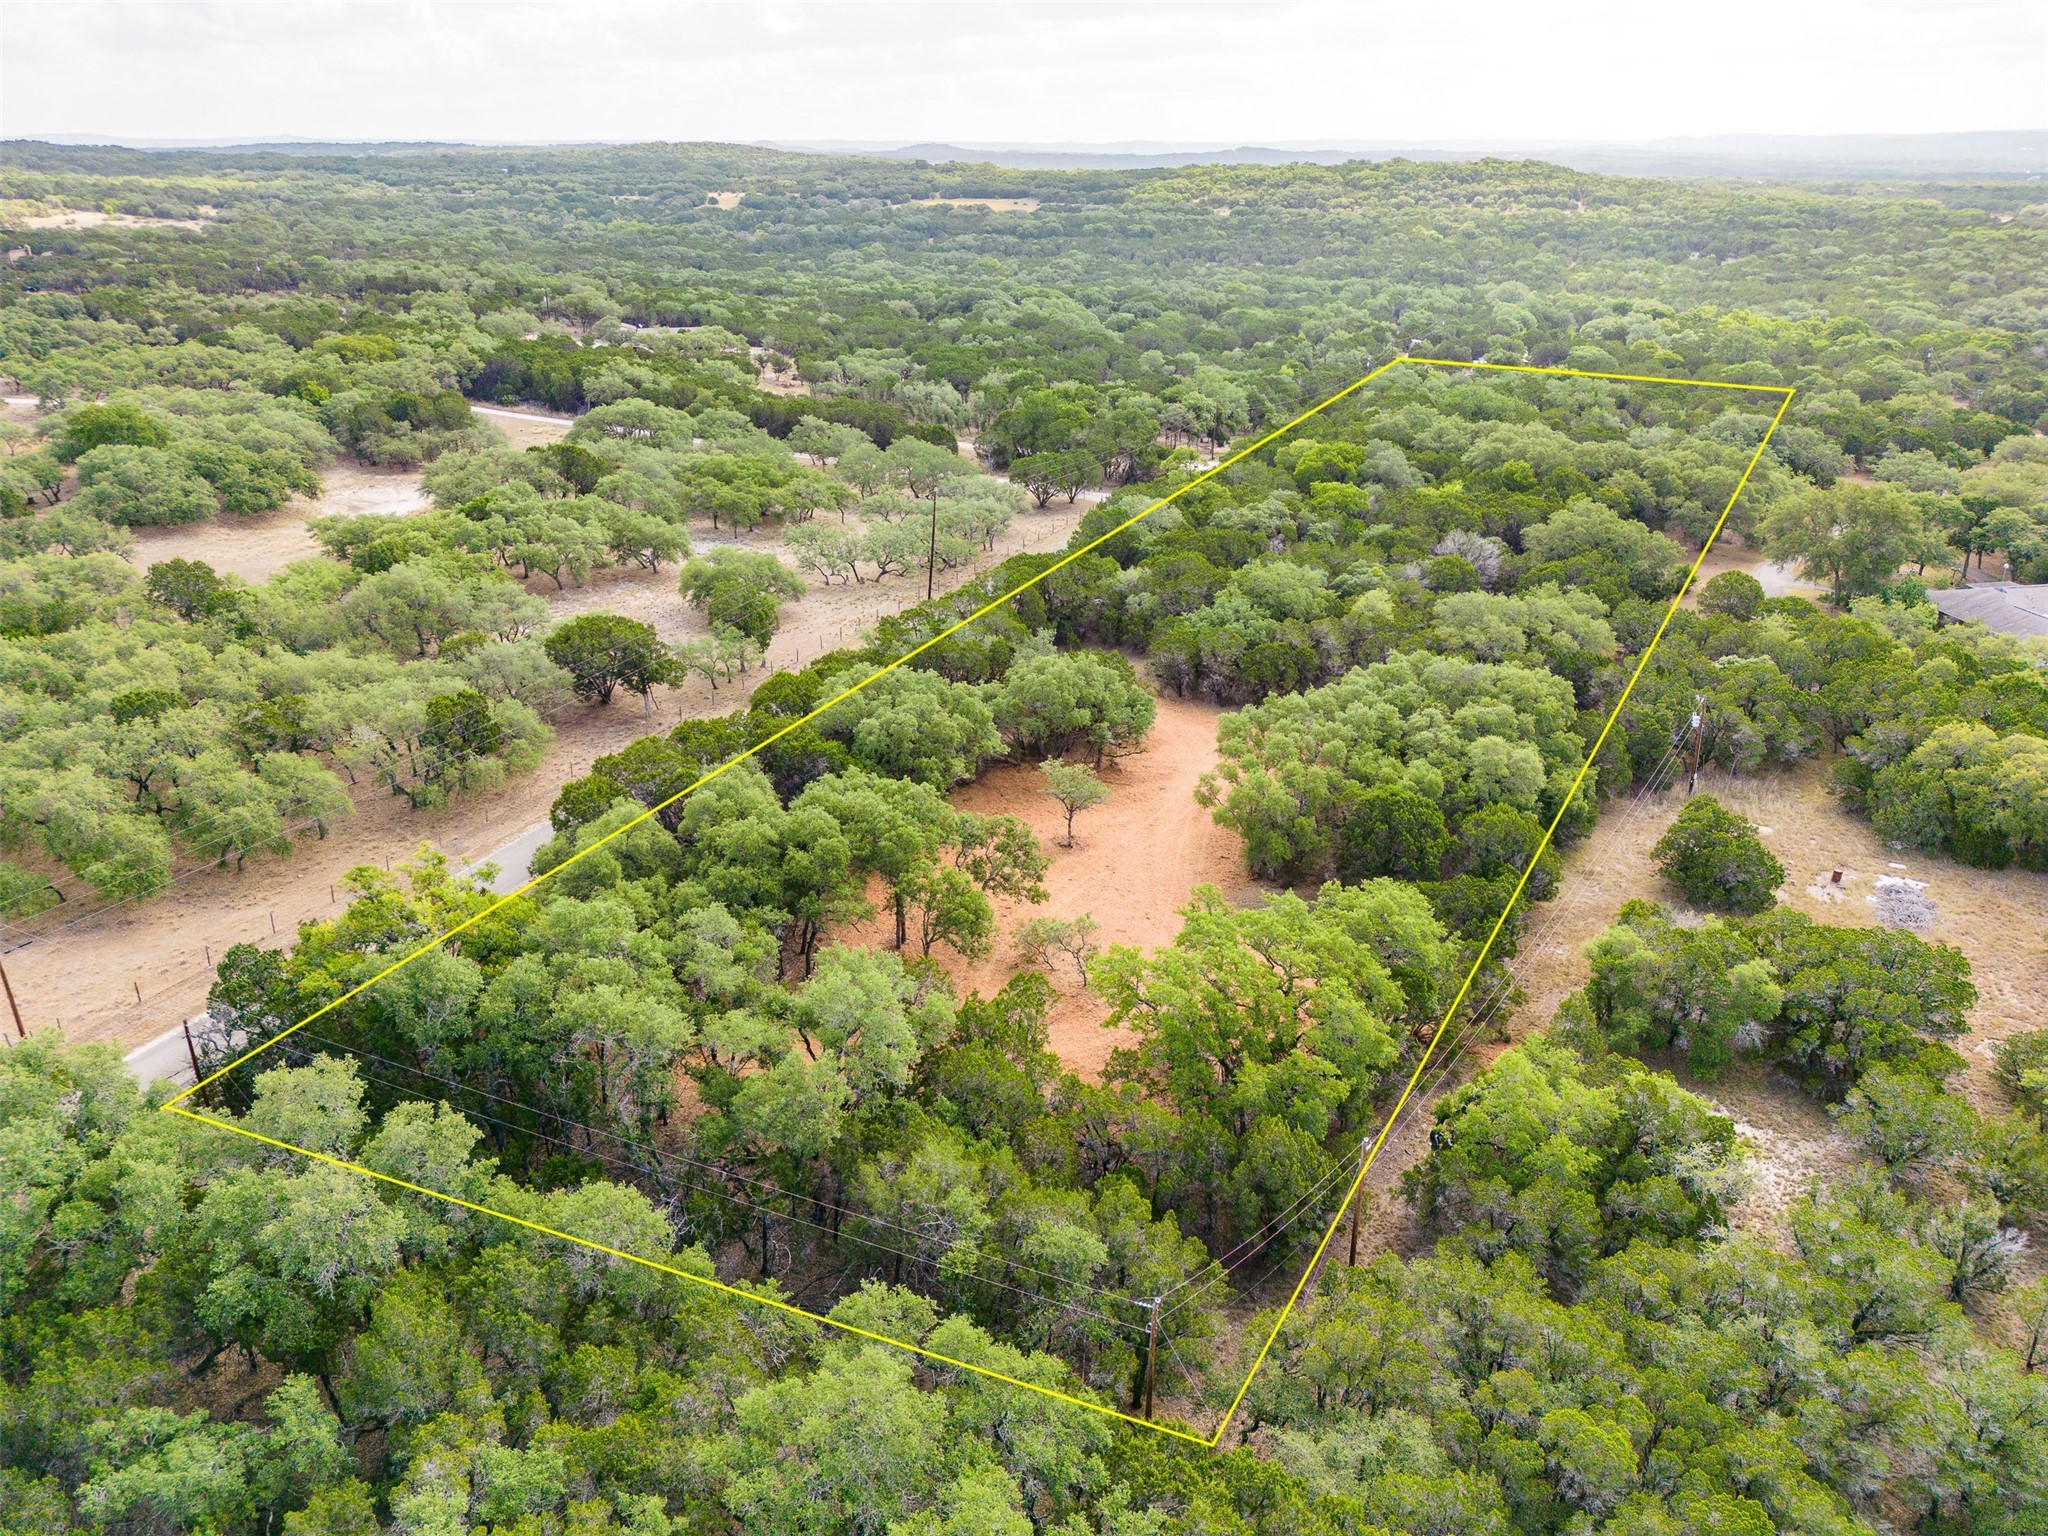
point(176, 1105)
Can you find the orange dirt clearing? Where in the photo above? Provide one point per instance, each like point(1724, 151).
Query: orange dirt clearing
point(1135, 859)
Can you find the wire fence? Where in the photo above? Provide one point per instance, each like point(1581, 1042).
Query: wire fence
point(77, 905)
point(182, 977)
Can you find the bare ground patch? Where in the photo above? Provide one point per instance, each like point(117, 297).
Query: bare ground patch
point(993, 204)
point(526, 426)
point(1731, 552)
point(256, 548)
point(1133, 863)
point(1792, 1141)
point(1995, 917)
point(775, 374)
point(94, 218)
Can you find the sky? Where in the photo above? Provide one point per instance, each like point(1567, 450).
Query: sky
point(1266, 72)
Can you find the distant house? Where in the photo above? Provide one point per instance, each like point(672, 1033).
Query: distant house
point(2009, 609)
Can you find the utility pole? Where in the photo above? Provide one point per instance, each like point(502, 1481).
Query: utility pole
point(12, 1007)
point(931, 564)
point(191, 1051)
point(1699, 741)
point(1151, 1348)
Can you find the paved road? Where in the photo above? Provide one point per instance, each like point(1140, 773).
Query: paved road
point(514, 859)
point(166, 1056)
point(499, 410)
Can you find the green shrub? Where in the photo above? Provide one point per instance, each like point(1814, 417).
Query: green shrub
point(1716, 859)
point(2020, 1066)
point(1733, 594)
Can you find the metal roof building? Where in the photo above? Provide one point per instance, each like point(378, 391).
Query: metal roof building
point(2009, 609)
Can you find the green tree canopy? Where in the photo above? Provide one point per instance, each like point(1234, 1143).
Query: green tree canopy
point(602, 652)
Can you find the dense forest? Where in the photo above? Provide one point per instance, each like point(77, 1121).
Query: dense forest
point(726, 1036)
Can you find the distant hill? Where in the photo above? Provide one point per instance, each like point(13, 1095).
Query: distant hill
point(2021, 153)
point(291, 144)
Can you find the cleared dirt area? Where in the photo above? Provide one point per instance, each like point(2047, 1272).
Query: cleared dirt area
point(526, 427)
point(776, 381)
point(1995, 917)
point(1834, 862)
point(1135, 859)
point(1792, 1141)
point(93, 218)
point(129, 972)
point(255, 548)
point(1732, 553)
point(993, 204)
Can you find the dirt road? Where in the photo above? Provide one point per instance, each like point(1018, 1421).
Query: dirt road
point(132, 971)
point(526, 426)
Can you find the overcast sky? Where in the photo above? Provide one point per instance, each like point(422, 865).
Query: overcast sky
point(1104, 70)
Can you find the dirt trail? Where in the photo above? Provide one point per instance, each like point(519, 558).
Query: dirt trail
point(1133, 863)
point(130, 972)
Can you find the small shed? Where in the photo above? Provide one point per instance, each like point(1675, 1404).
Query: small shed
point(2009, 609)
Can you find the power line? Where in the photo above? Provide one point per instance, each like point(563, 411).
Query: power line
point(204, 866)
point(710, 1169)
point(760, 1210)
point(1468, 1032)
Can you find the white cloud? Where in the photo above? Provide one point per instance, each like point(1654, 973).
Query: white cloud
point(1105, 70)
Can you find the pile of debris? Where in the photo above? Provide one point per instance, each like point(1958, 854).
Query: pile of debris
point(1903, 903)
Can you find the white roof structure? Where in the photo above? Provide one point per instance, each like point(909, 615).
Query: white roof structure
point(2009, 609)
